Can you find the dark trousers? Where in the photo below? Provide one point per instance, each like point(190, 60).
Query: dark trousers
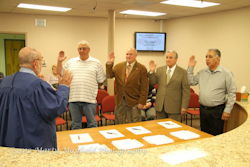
point(210, 119)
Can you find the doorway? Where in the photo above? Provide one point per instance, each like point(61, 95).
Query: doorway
point(12, 48)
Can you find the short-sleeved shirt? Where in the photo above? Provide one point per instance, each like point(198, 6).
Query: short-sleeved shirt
point(87, 75)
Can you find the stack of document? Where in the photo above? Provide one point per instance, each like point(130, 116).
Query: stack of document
point(81, 138)
point(138, 130)
point(110, 134)
point(169, 124)
point(185, 134)
point(127, 144)
point(158, 139)
point(91, 148)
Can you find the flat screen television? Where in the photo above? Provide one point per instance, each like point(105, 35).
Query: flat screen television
point(150, 41)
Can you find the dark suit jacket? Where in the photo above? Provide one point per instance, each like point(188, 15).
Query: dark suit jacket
point(136, 87)
point(174, 95)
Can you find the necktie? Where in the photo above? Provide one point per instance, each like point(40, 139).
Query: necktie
point(127, 73)
point(168, 76)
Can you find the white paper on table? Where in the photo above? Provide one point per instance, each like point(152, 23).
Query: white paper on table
point(185, 134)
point(138, 130)
point(81, 138)
point(126, 144)
point(180, 156)
point(158, 139)
point(110, 134)
point(90, 148)
point(169, 124)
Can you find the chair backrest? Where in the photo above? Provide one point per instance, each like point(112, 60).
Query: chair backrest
point(194, 101)
point(191, 90)
point(156, 86)
point(108, 104)
point(100, 95)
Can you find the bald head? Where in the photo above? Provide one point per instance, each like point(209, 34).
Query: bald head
point(27, 55)
point(30, 58)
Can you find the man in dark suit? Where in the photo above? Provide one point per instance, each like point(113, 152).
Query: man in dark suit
point(131, 86)
point(173, 90)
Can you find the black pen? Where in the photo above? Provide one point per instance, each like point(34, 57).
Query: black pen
point(78, 137)
point(136, 129)
point(169, 123)
point(111, 133)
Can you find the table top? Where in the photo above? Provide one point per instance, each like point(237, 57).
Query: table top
point(64, 140)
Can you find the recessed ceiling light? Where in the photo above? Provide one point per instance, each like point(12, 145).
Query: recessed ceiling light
point(42, 7)
point(143, 13)
point(190, 3)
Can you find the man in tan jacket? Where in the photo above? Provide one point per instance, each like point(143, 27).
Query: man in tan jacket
point(131, 86)
point(173, 92)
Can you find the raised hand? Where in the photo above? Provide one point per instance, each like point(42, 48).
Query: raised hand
point(192, 61)
point(66, 78)
point(111, 57)
point(61, 56)
point(152, 66)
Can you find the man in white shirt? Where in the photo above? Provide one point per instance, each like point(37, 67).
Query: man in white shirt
point(88, 74)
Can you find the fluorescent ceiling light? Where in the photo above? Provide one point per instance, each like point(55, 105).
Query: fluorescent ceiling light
point(42, 7)
point(143, 13)
point(190, 3)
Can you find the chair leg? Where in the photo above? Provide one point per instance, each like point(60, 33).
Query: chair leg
point(106, 122)
point(191, 119)
point(186, 119)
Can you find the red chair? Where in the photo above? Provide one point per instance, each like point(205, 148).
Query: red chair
point(100, 96)
point(191, 90)
point(97, 118)
point(108, 106)
point(194, 106)
point(60, 122)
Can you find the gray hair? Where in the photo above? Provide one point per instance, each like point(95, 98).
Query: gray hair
point(175, 53)
point(83, 42)
point(27, 55)
point(217, 52)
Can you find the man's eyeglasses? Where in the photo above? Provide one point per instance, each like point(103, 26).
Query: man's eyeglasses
point(41, 60)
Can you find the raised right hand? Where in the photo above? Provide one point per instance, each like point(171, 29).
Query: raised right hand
point(66, 79)
point(111, 57)
point(152, 66)
point(61, 56)
point(192, 61)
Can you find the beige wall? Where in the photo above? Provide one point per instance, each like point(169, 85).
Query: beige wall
point(228, 31)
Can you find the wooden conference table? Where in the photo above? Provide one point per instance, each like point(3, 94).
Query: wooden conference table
point(64, 140)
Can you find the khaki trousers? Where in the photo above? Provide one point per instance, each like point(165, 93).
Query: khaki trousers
point(133, 113)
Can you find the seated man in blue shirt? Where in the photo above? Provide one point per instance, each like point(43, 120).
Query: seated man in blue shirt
point(29, 105)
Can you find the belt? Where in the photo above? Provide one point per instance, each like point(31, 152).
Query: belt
point(210, 108)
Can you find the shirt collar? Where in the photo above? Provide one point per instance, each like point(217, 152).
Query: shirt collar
point(79, 59)
point(172, 69)
point(131, 65)
point(27, 70)
point(218, 69)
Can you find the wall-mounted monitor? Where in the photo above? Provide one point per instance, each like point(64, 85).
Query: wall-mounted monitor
point(150, 41)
